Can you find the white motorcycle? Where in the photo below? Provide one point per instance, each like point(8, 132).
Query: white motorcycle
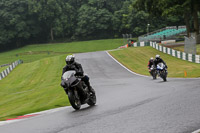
point(162, 71)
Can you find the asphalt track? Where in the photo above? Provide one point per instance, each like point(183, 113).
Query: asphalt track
point(126, 103)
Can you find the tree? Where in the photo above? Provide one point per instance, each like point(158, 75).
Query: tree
point(54, 15)
point(120, 20)
point(110, 5)
point(188, 8)
point(14, 24)
point(176, 7)
point(38, 21)
point(93, 22)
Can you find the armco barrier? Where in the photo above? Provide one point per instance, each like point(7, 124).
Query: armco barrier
point(177, 54)
point(9, 69)
point(4, 65)
point(172, 52)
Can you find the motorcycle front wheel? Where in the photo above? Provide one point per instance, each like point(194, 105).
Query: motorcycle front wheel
point(154, 74)
point(75, 102)
point(164, 76)
point(92, 100)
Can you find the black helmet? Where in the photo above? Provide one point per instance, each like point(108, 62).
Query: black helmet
point(70, 59)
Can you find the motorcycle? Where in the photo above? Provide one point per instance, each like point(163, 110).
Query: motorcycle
point(162, 71)
point(153, 72)
point(77, 91)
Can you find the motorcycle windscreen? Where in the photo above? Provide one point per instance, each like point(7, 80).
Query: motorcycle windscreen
point(68, 74)
point(160, 66)
point(69, 77)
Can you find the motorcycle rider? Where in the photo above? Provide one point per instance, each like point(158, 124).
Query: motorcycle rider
point(151, 62)
point(72, 65)
point(159, 60)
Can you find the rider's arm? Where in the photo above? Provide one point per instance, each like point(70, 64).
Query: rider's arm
point(79, 70)
point(65, 69)
point(155, 63)
point(148, 65)
point(163, 61)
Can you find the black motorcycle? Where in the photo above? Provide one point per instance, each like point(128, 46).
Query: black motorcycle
point(162, 71)
point(153, 72)
point(77, 91)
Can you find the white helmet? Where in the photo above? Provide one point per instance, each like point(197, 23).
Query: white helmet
point(151, 58)
point(70, 59)
point(157, 56)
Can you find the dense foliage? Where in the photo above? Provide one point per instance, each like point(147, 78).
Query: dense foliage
point(188, 9)
point(24, 22)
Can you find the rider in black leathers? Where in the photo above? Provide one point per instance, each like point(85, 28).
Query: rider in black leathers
point(159, 60)
point(72, 65)
point(150, 63)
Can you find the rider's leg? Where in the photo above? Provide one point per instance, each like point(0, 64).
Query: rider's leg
point(86, 80)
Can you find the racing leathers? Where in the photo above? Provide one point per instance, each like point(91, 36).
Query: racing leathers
point(79, 72)
point(150, 63)
point(159, 60)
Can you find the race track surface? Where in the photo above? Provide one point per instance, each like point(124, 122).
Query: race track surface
point(126, 103)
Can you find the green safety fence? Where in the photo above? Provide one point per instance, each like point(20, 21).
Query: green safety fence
point(172, 52)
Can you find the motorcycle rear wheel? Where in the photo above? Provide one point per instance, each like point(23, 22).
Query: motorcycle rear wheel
point(76, 103)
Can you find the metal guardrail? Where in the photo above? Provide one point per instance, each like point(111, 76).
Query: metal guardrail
point(182, 27)
point(4, 65)
point(178, 54)
point(151, 37)
point(5, 73)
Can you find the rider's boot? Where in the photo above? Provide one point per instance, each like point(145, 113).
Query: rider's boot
point(91, 89)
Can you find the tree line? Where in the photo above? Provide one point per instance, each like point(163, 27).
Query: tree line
point(25, 22)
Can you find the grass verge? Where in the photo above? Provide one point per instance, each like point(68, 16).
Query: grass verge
point(32, 87)
point(32, 53)
point(136, 59)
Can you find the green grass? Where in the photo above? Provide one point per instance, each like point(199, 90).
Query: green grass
point(181, 48)
point(32, 87)
point(35, 85)
point(35, 52)
point(137, 59)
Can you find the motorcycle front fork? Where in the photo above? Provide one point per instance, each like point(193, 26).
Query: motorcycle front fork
point(76, 94)
point(158, 72)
